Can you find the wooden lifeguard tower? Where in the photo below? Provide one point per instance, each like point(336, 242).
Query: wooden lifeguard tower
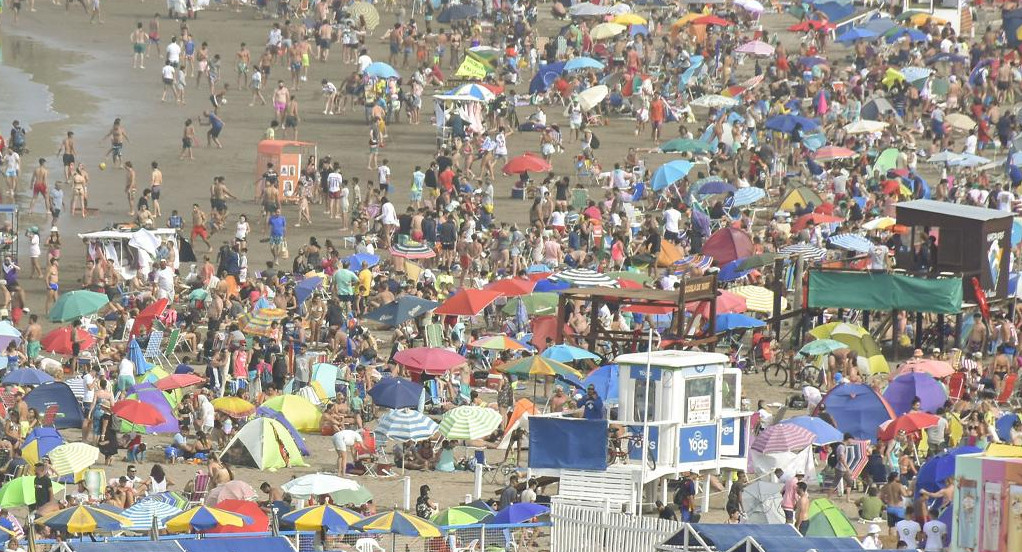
point(288, 158)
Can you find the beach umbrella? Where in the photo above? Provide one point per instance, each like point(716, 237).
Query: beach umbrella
point(871, 358)
point(432, 360)
point(690, 263)
point(712, 20)
point(457, 12)
point(174, 498)
point(27, 376)
point(629, 19)
point(538, 366)
point(71, 458)
point(734, 321)
point(301, 413)
point(396, 392)
point(916, 74)
point(498, 343)
point(20, 491)
point(727, 244)
point(467, 302)
point(355, 497)
point(323, 517)
point(315, 484)
point(757, 299)
point(810, 253)
point(232, 490)
point(461, 515)
point(235, 407)
point(686, 145)
point(909, 423)
point(581, 63)
point(960, 121)
point(1003, 426)
point(85, 519)
point(8, 334)
point(751, 6)
point(756, 48)
point(141, 513)
point(204, 518)
point(366, 11)
point(788, 123)
point(879, 223)
point(714, 188)
point(670, 173)
point(39, 442)
point(830, 153)
point(178, 381)
point(606, 30)
point(512, 287)
point(944, 157)
point(748, 196)
point(76, 304)
point(591, 97)
point(761, 501)
point(401, 310)
point(145, 318)
point(469, 422)
point(381, 70)
point(714, 101)
point(539, 303)
point(526, 163)
point(412, 250)
point(851, 242)
point(406, 425)
point(936, 368)
point(584, 277)
point(903, 389)
point(137, 412)
point(519, 512)
point(259, 322)
point(857, 33)
point(307, 287)
point(399, 523)
point(823, 432)
point(568, 353)
point(969, 160)
point(605, 380)
point(811, 25)
point(783, 438)
point(474, 90)
point(864, 126)
point(355, 261)
point(819, 347)
point(816, 218)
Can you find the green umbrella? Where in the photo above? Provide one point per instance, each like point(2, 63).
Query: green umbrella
point(685, 145)
point(821, 347)
point(887, 160)
point(77, 304)
point(21, 492)
point(757, 261)
point(539, 303)
point(628, 275)
point(461, 515)
point(356, 497)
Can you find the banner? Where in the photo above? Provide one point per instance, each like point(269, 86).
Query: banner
point(884, 292)
point(567, 443)
point(1011, 21)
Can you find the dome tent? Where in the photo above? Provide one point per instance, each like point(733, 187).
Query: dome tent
point(265, 444)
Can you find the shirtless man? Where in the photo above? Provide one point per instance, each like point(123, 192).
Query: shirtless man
point(281, 96)
point(558, 401)
point(118, 136)
point(243, 58)
point(273, 494)
point(199, 218)
point(139, 39)
point(39, 177)
point(52, 283)
point(33, 334)
point(68, 152)
point(978, 335)
point(130, 187)
point(218, 195)
point(270, 201)
point(291, 118)
point(155, 182)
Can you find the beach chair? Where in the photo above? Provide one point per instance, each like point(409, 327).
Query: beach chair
point(473, 545)
point(200, 488)
point(956, 386)
point(579, 199)
point(152, 348)
point(434, 335)
point(50, 416)
point(365, 453)
point(491, 473)
point(1007, 389)
point(170, 350)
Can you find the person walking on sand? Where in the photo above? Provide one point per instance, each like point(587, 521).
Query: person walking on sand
point(52, 284)
point(139, 39)
point(199, 218)
point(12, 170)
point(374, 144)
point(281, 96)
point(291, 118)
point(155, 182)
point(216, 126)
point(39, 177)
point(168, 74)
point(256, 84)
point(56, 202)
point(78, 193)
point(96, 15)
point(118, 136)
point(68, 152)
point(130, 186)
point(243, 60)
point(35, 250)
point(187, 140)
point(154, 35)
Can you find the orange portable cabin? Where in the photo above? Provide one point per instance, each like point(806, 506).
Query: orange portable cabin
point(288, 158)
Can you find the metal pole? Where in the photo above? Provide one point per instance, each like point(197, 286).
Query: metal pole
point(477, 487)
point(645, 420)
point(406, 487)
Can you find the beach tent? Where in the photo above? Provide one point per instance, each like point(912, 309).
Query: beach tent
point(827, 520)
point(264, 412)
point(801, 195)
point(264, 444)
point(302, 414)
point(857, 409)
point(69, 410)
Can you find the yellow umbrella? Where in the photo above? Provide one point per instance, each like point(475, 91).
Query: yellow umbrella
point(871, 358)
point(758, 299)
point(685, 20)
point(606, 30)
point(629, 19)
point(880, 223)
point(922, 18)
point(234, 406)
point(892, 76)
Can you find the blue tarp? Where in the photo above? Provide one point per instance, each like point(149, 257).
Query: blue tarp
point(69, 410)
point(134, 546)
point(723, 536)
point(253, 544)
point(804, 544)
point(567, 443)
point(857, 409)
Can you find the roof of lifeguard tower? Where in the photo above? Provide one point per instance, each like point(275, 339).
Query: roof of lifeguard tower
point(673, 359)
point(274, 147)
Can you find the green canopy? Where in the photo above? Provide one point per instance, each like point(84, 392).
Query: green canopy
point(887, 160)
point(884, 292)
point(77, 304)
point(827, 520)
point(539, 303)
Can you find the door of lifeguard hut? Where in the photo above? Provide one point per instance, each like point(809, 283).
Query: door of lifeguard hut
point(288, 158)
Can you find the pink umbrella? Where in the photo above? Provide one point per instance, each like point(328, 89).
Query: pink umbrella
point(727, 244)
point(727, 303)
point(431, 360)
point(232, 490)
point(783, 438)
point(936, 368)
point(756, 48)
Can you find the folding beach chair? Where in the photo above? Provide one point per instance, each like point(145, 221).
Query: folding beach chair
point(1007, 389)
point(434, 335)
point(200, 488)
point(152, 348)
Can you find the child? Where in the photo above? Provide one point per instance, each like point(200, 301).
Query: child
point(175, 221)
point(187, 140)
point(242, 229)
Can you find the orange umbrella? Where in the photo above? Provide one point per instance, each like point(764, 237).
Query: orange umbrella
point(468, 302)
point(711, 20)
point(145, 319)
point(816, 218)
point(512, 287)
point(936, 368)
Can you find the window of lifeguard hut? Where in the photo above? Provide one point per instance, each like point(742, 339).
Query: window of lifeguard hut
point(728, 394)
point(699, 403)
point(640, 400)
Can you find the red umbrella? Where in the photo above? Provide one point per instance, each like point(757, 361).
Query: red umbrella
point(59, 340)
point(177, 381)
point(891, 186)
point(512, 287)
point(525, 163)
point(909, 423)
point(537, 276)
point(810, 25)
point(650, 309)
point(260, 521)
point(727, 303)
point(467, 302)
point(145, 319)
point(816, 218)
point(711, 20)
point(137, 412)
point(431, 360)
point(825, 209)
point(728, 244)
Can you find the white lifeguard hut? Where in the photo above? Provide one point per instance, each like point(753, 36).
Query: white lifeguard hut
point(956, 12)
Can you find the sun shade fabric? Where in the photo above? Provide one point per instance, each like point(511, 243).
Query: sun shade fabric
point(134, 546)
point(724, 536)
point(884, 292)
point(256, 544)
point(564, 443)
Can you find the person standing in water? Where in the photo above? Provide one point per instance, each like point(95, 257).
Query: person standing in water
point(139, 39)
point(52, 284)
point(155, 182)
point(187, 141)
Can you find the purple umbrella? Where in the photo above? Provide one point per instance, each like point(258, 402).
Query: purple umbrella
point(906, 387)
point(158, 400)
point(519, 512)
point(701, 221)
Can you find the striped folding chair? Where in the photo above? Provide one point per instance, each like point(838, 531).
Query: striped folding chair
point(152, 348)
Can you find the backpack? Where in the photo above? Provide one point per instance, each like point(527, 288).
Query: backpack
point(594, 142)
point(832, 458)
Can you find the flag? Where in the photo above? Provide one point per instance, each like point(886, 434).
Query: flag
point(471, 68)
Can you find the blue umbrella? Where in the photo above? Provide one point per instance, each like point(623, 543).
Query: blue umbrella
point(396, 393)
point(135, 355)
point(812, 61)
point(787, 123)
point(880, 25)
point(715, 187)
point(605, 380)
point(857, 33)
point(913, 74)
point(748, 196)
point(851, 242)
point(537, 268)
point(737, 321)
point(307, 287)
point(548, 285)
point(670, 173)
point(914, 35)
point(457, 12)
point(568, 353)
point(519, 512)
point(27, 376)
point(1003, 425)
point(824, 432)
point(355, 261)
point(582, 62)
point(946, 461)
point(381, 70)
point(637, 30)
point(401, 310)
point(732, 271)
point(406, 425)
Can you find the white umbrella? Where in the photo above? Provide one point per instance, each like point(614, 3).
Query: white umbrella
point(960, 121)
point(315, 484)
point(592, 96)
point(751, 6)
point(864, 126)
point(715, 101)
point(944, 157)
point(606, 30)
point(761, 501)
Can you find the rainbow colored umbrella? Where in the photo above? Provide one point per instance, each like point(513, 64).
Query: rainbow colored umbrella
point(498, 343)
point(204, 518)
point(85, 519)
point(259, 322)
point(325, 516)
point(399, 523)
point(538, 366)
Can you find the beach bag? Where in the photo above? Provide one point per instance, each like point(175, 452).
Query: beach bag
point(284, 253)
point(594, 142)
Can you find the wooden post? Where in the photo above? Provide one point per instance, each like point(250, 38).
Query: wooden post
point(778, 293)
point(561, 319)
point(713, 308)
point(940, 332)
point(919, 330)
point(894, 332)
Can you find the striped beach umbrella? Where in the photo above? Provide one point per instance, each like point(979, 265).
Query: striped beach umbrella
point(758, 299)
point(324, 516)
point(808, 252)
point(406, 425)
point(71, 458)
point(461, 515)
point(85, 519)
point(469, 422)
point(692, 262)
point(851, 242)
point(783, 438)
point(412, 250)
point(399, 523)
point(204, 518)
point(39, 442)
point(366, 12)
point(142, 513)
point(538, 366)
point(173, 498)
point(748, 196)
point(584, 277)
point(20, 491)
point(258, 322)
point(315, 484)
point(235, 407)
point(498, 343)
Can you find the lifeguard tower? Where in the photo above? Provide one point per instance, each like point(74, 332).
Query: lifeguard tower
point(956, 12)
point(678, 412)
point(288, 157)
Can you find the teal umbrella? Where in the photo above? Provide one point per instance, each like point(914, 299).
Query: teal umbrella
point(77, 304)
point(821, 347)
point(685, 145)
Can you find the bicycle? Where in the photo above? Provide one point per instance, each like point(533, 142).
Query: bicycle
point(791, 370)
point(618, 451)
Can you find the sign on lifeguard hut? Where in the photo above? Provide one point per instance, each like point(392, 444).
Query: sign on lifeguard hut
point(288, 158)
